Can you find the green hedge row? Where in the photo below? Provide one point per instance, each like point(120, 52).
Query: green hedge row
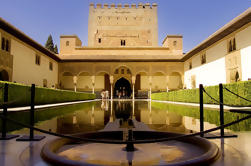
point(20, 95)
point(192, 95)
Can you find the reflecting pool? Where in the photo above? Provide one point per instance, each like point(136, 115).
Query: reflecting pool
point(93, 116)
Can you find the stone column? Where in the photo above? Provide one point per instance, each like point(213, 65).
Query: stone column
point(150, 114)
point(93, 84)
point(133, 109)
point(133, 84)
point(111, 82)
point(75, 79)
point(150, 86)
point(111, 116)
point(167, 80)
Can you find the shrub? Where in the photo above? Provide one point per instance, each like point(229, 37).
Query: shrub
point(19, 95)
point(242, 88)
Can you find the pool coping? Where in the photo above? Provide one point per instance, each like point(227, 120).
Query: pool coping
point(213, 106)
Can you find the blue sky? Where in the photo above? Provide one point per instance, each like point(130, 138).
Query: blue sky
point(194, 19)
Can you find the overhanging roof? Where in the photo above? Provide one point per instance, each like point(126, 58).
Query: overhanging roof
point(26, 39)
point(241, 20)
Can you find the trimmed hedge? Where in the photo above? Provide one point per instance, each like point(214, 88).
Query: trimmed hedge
point(242, 88)
point(19, 95)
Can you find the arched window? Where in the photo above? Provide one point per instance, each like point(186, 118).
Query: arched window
point(122, 71)
point(7, 45)
point(174, 43)
point(123, 42)
point(190, 65)
point(203, 58)
point(3, 43)
point(230, 46)
point(234, 44)
point(116, 71)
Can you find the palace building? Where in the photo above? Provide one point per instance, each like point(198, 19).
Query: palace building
point(123, 56)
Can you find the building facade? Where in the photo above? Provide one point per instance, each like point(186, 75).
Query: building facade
point(123, 56)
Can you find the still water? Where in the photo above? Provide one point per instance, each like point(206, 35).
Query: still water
point(93, 116)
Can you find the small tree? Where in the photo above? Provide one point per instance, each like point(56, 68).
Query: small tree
point(49, 44)
point(55, 49)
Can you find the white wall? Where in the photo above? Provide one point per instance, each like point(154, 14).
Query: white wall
point(243, 40)
point(246, 63)
point(214, 71)
point(26, 71)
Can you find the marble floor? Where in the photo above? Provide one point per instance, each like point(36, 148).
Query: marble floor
point(235, 151)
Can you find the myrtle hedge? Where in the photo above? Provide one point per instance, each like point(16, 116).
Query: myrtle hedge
point(20, 95)
point(242, 88)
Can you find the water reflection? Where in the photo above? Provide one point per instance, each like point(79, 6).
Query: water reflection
point(95, 115)
point(103, 112)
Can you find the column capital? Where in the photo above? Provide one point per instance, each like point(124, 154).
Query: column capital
point(75, 79)
point(93, 79)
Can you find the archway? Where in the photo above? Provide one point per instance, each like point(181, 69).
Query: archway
point(175, 81)
point(4, 76)
point(122, 88)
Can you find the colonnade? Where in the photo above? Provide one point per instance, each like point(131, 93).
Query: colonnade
point(111, 78)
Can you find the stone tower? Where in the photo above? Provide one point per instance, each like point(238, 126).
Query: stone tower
point(117, 25)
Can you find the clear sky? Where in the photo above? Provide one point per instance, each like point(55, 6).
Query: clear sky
point(194, 19)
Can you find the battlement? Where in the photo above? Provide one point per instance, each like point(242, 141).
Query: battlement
point(125, 6)
point(122, 25)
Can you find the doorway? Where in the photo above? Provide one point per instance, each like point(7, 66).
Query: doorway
point(122, 89)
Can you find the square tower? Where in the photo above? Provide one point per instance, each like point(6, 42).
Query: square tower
point(123, 25)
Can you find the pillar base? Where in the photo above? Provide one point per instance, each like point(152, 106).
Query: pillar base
point(8, 137)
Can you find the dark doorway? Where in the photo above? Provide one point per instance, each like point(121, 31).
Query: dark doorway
point(4, 76)
point(122, 88)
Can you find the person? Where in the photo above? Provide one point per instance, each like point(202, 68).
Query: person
point(107, 94)
point(102, 95)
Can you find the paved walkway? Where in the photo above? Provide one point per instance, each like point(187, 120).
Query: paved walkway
point(47, 105)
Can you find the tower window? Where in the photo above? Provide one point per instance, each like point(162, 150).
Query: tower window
point(99, 40)
point(122, 71)
point(67, 43)
point(122, 42)
point(174, 43)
